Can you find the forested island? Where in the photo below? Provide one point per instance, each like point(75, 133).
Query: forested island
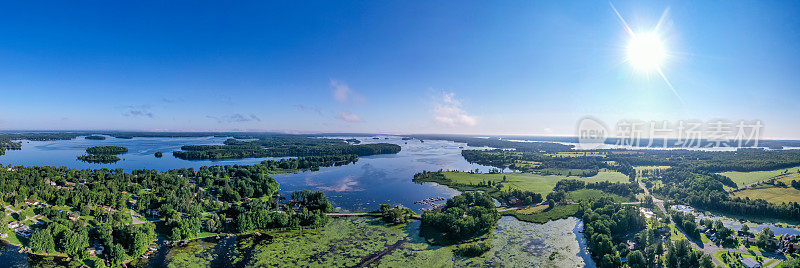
point(95, 137)
point(282, 146)
point(107, 150)
point(103, 154)
point(99, 158)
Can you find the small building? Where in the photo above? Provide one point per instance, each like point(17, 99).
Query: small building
point(152, 212)
point(750, 263)
point(14, 224)
point(96, 249)
point(31, 202)
point(24, 231)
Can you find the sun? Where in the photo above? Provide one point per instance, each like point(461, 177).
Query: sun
point(646, 52)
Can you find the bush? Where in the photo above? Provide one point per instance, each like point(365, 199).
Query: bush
point(472, 250)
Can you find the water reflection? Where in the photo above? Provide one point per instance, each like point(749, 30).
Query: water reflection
point(379, 179)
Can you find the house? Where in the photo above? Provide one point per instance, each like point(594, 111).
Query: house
point(743, 233)
point(14, 224)
point(152, 211)
point(24, 231)
point(31, 202)
point(750, 241)
point(750, 263)
point(73, 216)
point(96, 249)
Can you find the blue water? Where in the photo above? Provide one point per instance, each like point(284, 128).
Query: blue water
point(140, 153)
point(385, 179)
point(362, 186)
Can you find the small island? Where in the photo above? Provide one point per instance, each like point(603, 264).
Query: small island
point(159, 154)
point(103, 154)
point(99, 158)
point(107, 150)
point(95, 137)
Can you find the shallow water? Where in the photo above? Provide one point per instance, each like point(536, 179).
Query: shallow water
point(349, 241)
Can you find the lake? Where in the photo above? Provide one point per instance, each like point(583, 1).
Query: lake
point(140, 153)
point(361, 186)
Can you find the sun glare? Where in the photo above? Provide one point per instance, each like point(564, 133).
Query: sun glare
point(645, 51)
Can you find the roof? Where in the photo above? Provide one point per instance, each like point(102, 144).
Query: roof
point(750, 262)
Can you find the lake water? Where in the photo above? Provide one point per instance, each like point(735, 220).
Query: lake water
point(361, 186)
point(140, 153)
point(385, 179)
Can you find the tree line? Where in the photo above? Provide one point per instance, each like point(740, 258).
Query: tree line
point(283, 146)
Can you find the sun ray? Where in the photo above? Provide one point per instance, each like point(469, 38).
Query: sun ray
point(661, 20)
point(669, 84)
point(622, 20)
point(645, 51)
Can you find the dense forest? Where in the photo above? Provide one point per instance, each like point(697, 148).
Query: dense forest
point(706, 191)
point(107, 150)
point(95, 137)
point(608, 226)
point(282, 146)
point(463, 217)
point(547, 164)
point(99, 158)
point(500, 143)
point(189, 201)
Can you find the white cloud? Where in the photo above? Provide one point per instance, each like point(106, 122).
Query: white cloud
point(343, 94)
point(349, 117)
point(447, 111)
point(235, 118)
point(346, 184)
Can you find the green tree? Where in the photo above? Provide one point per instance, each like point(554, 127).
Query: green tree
point(636, 259)
point(705, 261)
point(42, 241)
point(116, 254)
point(766, 239)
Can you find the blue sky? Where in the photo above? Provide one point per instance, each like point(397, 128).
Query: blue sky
point(473, 67)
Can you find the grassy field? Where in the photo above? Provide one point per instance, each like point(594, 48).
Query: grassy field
point(585, 194)
point(559, 212)
point(734, 258)
point(771, 194)
point(640, 168)
point(746, 178)
point(577, 154)
point(527, 181)
point(675, 235)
